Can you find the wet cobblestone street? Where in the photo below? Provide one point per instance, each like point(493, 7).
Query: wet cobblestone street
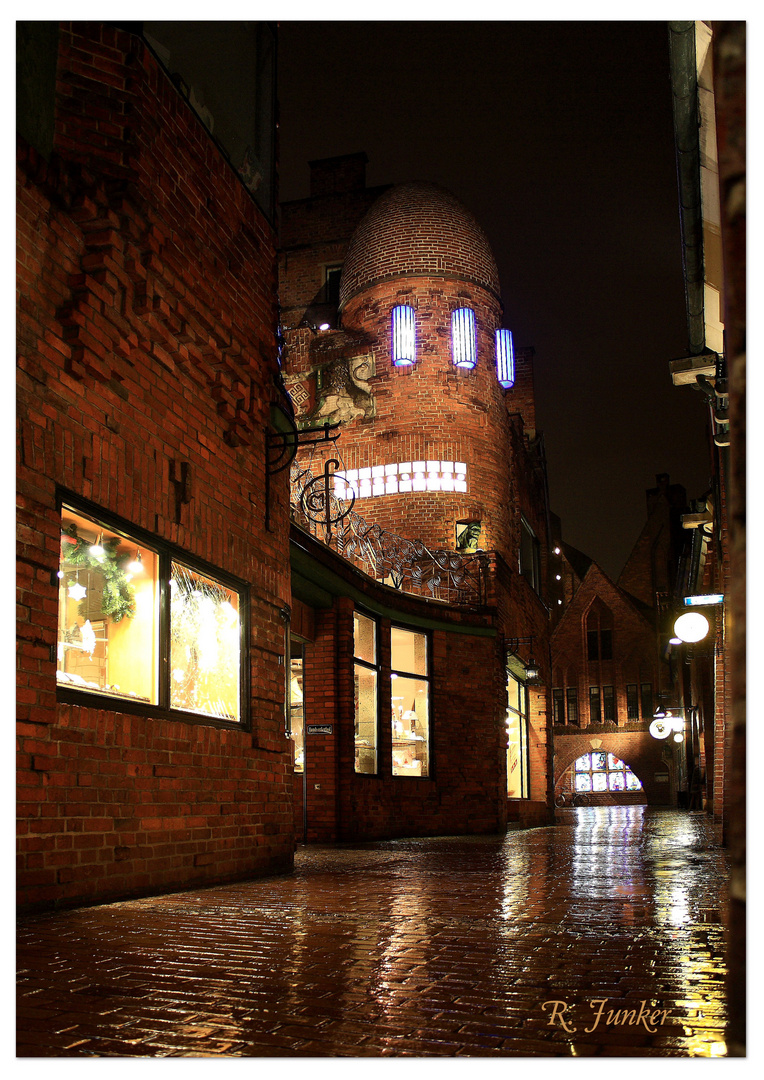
point(426, 947)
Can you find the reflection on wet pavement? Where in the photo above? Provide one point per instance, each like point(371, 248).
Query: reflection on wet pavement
point(603, 935)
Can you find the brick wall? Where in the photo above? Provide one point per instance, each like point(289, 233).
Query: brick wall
point(146, 360)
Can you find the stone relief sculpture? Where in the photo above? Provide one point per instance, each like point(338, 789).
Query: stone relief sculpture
point(343, 391)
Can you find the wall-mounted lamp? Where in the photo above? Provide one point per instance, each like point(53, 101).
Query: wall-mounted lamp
point(691, 627)
point(532, 669)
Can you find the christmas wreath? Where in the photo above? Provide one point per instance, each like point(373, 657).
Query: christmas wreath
point(118, 598)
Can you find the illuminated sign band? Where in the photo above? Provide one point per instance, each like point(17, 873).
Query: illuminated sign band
point(401, 478)
point(701, 601)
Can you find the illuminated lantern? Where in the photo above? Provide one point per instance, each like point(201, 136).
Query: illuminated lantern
point(505, 358)
point(404, 336)
point(464, 338)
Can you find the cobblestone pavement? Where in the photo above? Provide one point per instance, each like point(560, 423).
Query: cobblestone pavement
point(434, 947)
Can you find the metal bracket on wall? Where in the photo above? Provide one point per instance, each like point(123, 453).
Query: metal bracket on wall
point(281, 447)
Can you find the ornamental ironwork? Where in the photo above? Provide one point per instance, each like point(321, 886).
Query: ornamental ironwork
point(406, 565)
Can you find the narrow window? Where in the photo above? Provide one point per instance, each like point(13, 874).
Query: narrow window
point(530, 555)
point(505, 359)
point(410, 694)
point(403, 336)
point(595, 714)
point(366, 679)
point(592, 645)
point(297, 704)
point(647, 700)
point(606, 644)
point(632, 701)
point(332, 275)
point(608, 704)
point(558, 706)
point(572, 696)
point(463, 338)
point(517, 739)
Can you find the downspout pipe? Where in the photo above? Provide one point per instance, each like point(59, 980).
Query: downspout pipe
point(684, 87)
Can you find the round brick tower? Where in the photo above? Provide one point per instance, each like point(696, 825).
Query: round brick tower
point(420, 289)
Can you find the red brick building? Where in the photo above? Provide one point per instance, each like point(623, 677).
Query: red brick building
point(153, 565)
point(414, 710)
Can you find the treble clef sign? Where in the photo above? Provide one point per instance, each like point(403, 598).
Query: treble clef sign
point(320, 504)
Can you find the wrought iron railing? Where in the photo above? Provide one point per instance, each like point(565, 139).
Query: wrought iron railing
point(407, 565)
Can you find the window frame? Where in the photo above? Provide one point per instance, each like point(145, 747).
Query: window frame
point(377, 668)
point(530, 567)
point(571, 699)
point(632, 701)
point(166, 553)
point(523, 717)
point(395, 625)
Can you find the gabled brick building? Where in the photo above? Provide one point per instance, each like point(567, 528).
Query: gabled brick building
point(607, 676)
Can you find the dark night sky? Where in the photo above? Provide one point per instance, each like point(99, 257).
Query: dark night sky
point(558, 137)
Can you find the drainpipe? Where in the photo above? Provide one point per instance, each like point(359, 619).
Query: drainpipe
point(684, 86)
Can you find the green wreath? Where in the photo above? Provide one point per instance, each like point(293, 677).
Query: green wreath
point(118, 598)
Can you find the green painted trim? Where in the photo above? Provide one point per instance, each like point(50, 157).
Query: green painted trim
point(316, 585)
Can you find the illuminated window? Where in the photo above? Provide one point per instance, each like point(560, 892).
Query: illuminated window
point(601, 772)
point(121, 634)
point(505, 358)
point(404, 336)
point(204, 645)
point(410, 699)
point(366, 681)
point(464, 338)
point(297, 704)
point(517, 739)
point(400, 478)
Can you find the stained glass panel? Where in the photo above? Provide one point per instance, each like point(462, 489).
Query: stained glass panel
point(583, 764)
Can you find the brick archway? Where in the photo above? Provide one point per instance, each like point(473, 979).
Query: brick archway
point(644, 755)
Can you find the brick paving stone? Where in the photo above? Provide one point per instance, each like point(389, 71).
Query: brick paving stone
point(442, 947)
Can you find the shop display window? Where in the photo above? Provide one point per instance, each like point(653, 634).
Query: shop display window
point(204, 652)
point(134, 623)
point(517, 738)
point(107, 612)
point(410, 694)
point(297, 707)
point(366, 684)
